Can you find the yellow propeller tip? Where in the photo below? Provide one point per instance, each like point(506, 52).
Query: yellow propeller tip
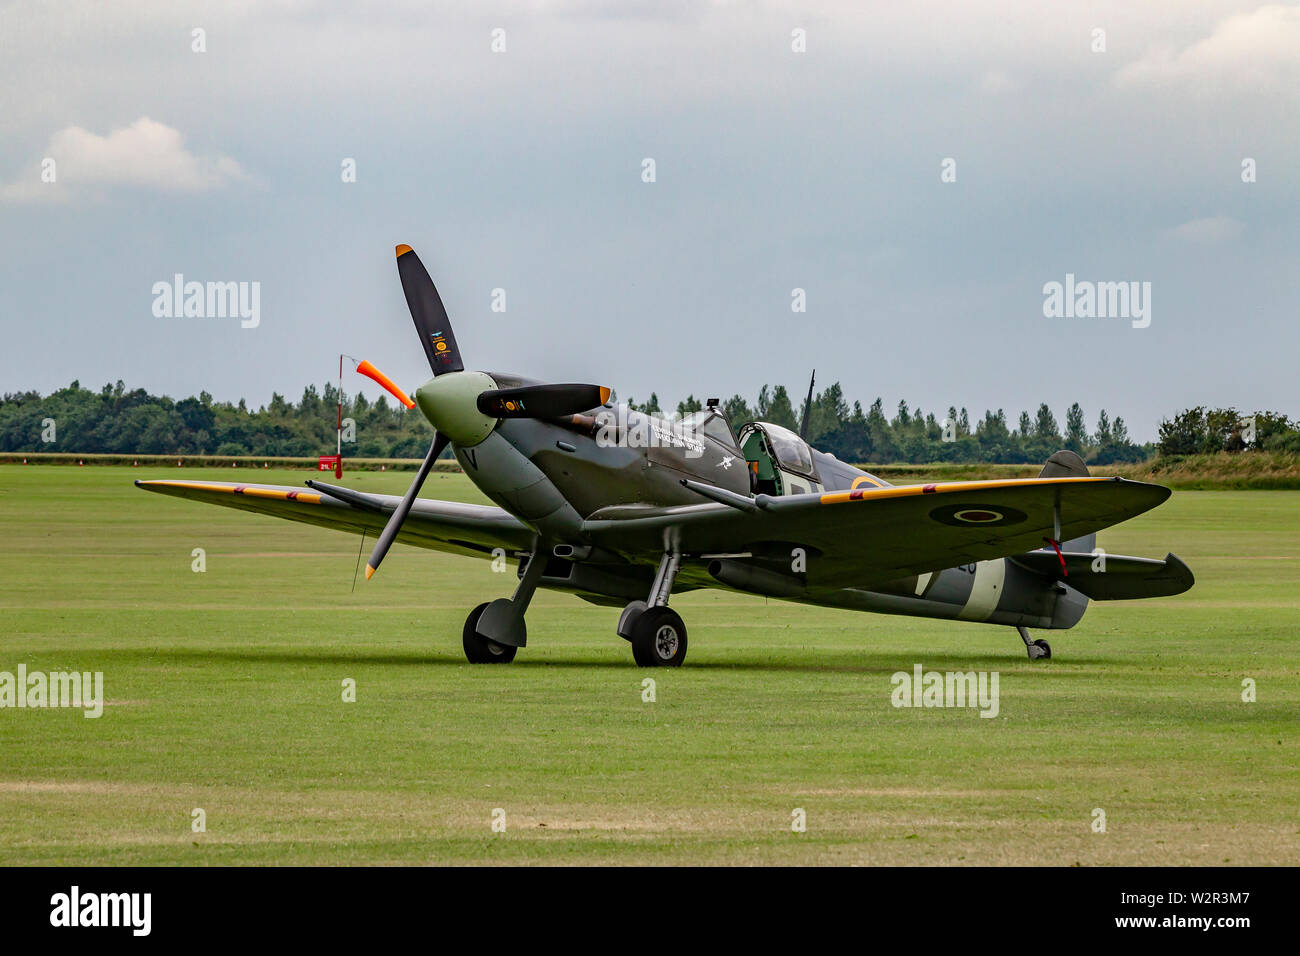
point(369, 571)
point(604, 395)
point(403, 250)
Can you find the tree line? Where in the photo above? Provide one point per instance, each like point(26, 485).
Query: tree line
point(912, 434)
point(1200, 430)
point(116, 420)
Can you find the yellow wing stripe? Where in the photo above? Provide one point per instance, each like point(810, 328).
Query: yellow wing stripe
point(310, 498)
point(907, 491)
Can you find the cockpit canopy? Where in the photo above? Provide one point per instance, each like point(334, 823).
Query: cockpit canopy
point(791, 451)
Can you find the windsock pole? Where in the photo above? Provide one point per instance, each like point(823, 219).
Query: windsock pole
point(338, 467)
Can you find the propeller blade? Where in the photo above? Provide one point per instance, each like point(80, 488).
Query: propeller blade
point(389, 534)
point(386, 383)
point(429, 313)
point(541, 401)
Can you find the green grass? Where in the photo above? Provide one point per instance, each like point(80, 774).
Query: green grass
point(223, 693)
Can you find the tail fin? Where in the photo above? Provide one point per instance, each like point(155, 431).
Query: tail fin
point(1066, 464)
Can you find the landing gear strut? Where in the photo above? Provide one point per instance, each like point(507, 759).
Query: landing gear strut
point(1036, 649)
point(657, 632)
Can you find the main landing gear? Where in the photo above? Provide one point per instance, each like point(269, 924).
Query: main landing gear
point(656, 631)
point(495, 631)
point(1038, 649)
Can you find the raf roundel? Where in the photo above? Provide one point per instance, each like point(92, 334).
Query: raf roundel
point(968, 515)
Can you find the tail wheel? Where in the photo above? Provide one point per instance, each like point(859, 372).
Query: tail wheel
point(659, 638)
point(482, 650)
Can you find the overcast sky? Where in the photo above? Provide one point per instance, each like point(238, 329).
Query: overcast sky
point(774, 170)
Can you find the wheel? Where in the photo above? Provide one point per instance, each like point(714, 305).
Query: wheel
point(659, 638)
point(1040, 649)
point(481, 650)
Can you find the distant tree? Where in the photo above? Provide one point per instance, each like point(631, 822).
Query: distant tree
point(1120, 448)
point(1223, 427)
point(1184, 434)
point(1119, 432)
point(830, 412)
point(779, 411)
point(881, 435)
point(1025, 427)
point(738, 411)
point(1045, 427)
point(1076, 432)
point(691, 404)
point(994, 439)
point(1103, 436)
point(1275, 432)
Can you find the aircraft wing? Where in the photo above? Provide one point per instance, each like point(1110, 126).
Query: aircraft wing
point(872, 535)
point(439, 525)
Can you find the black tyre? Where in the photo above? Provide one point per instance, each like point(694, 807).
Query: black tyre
point(481, 650)
point(659, 638)
point(1047, 648)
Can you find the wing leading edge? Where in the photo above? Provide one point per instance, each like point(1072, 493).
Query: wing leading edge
point(439, 525)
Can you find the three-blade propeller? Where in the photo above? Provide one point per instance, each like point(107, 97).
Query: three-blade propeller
point(451, 404)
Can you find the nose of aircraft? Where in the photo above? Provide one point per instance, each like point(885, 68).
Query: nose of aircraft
point(450, 403)
point(463, 406)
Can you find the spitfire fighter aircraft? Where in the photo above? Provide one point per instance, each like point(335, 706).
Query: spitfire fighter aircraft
point(626, 509)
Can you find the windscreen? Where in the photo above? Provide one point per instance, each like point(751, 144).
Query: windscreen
point(712, 423)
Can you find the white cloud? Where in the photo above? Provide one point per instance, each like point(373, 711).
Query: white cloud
point(147, 154)
point(1209, 230)
point(1256, 51)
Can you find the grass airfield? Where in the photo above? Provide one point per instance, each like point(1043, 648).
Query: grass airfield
point(223, 692)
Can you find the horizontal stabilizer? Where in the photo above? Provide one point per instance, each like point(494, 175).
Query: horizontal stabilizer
point(1111, 577)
